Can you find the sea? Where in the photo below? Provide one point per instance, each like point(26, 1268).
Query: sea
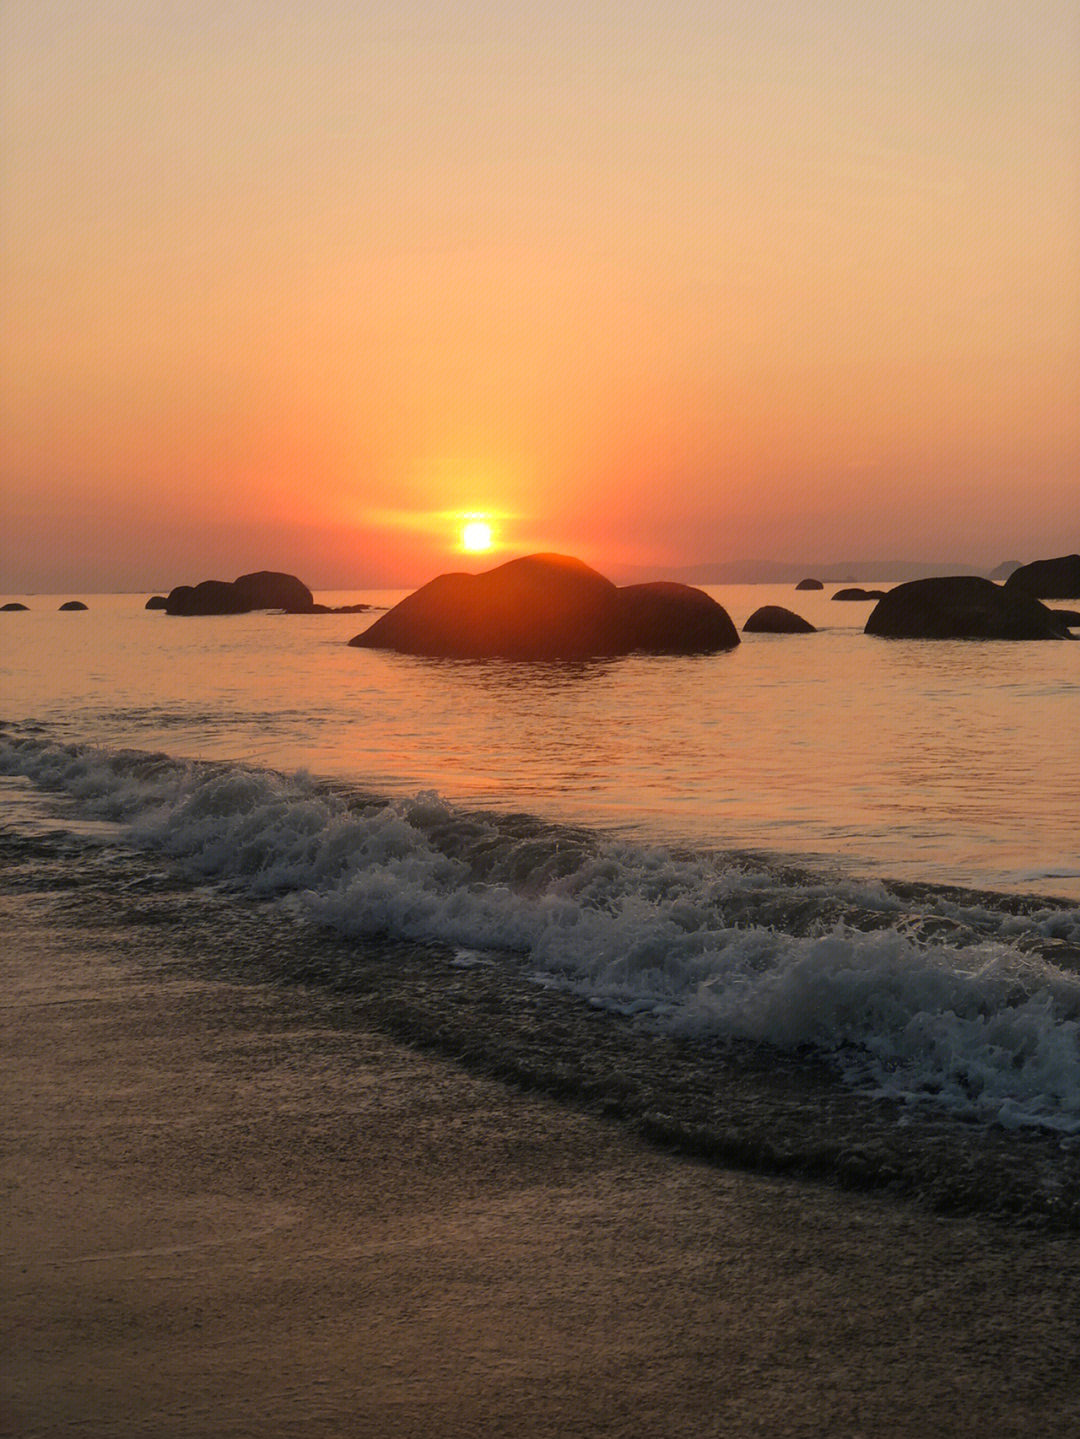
point(809, 906)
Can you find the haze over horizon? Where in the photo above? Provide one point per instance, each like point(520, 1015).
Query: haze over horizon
point(305, 287)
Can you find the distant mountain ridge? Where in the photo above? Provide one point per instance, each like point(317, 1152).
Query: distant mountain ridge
point(757, 572)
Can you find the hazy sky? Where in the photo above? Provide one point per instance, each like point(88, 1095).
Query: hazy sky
point(300, 285)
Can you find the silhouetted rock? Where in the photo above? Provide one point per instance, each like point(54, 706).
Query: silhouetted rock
point(271, 590)
point(14, 605)
point(1069, 618)
point(262, 590)
point(1048, 579)
point(350, 609)
point(809, 585)
point(853, 594)
point(957, 607)
point(211, 597)
point(668, 618)
point(549, 607)
point(775, 620)
point(73, 605)
point(156, 602)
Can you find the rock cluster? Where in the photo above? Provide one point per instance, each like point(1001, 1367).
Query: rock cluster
point(262, 590)
point(549, 607)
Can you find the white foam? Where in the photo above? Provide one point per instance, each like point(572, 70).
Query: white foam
point(982, 1028)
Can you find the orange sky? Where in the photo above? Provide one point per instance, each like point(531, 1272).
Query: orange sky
point(298, 286)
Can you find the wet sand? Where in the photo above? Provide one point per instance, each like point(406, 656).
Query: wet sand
point(231, 1209)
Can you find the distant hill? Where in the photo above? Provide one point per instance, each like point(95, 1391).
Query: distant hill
point(760, 572)
point(1004, 570)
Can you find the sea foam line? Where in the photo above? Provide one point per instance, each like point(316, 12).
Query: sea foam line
point(704, 948)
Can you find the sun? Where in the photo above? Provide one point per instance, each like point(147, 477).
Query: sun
point(476, 536)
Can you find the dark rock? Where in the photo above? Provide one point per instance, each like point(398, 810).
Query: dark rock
point(962, 607)
point(271, 590)
point(73, 605)
point(351, 609)
point(262, 590)
point(853, 594)
point(549, 607)
point(177, 599)
point(809, 585)
point(14, 605)
point(775, 620)
point(1048, 579)
point(212, 597)
point(156, 602)
point(669, 618)
point(1069, 618)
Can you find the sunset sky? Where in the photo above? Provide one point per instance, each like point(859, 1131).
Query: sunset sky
point(303, 286)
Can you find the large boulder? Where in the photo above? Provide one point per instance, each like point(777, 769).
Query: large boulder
point(73, 605)
point(854, 593)
point(271, 590)
point(14, 605)
point(809, 584)
point(156, 602)
point(775, 620)
point(958, 607)
point(544, 607)
point(1048, 579)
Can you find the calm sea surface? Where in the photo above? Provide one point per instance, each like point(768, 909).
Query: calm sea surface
point(954, 763)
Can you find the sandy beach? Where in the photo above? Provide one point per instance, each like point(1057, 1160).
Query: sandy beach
point(233, 1210)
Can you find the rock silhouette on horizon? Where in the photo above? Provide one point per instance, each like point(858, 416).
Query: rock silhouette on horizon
point(14, 605)
point(957, 607)
point(261, 590)
point(776, 620)
point(156, 602)
point(810, 584)
point(549, 607)
point(73, 605)
point(1057, 579)
point(854, 593)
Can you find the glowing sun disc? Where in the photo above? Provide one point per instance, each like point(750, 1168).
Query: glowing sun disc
point(476, 536)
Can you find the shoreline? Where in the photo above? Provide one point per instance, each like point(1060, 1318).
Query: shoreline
point(234, 1207)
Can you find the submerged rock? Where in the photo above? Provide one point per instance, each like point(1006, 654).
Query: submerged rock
point(549, 607)
point(14, 605)
point(809, 584)
point(1048, 579)
point(854, 593)
point(73, 605)
point(775, 620)
point(956, 607)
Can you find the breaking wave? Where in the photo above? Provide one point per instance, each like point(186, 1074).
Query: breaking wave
point(917, 994)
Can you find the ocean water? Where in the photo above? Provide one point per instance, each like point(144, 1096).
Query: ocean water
point(831, 849)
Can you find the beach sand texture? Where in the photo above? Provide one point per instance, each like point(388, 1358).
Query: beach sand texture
point(232, 1210)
